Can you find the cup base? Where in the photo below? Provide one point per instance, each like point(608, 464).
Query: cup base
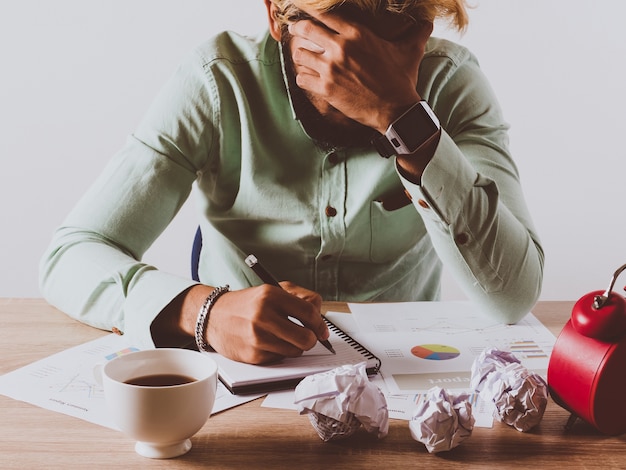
point(162, 451)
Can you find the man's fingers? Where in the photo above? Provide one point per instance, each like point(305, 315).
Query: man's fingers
point(285, 339)
point(253, 325)
point(309, 45)
point(311, 316)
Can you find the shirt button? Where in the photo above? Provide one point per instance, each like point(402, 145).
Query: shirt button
point(331, 211)
point(462, 238)
point(333, 158)
point(423, 204)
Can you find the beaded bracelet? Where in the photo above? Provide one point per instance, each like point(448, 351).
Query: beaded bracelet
point(203, 316)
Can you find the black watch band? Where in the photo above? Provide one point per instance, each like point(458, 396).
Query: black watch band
point(383, 146)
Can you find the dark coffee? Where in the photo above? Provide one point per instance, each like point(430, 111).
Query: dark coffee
point(160, 380)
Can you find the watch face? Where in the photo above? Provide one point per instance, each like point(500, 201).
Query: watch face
point(411, 130)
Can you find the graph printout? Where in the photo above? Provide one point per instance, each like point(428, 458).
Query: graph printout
point(65, 382)
point(427, 344)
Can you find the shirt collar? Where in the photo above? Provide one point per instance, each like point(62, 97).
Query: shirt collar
point(283, 67)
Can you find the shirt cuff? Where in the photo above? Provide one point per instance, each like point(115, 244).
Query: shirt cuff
point(445, 184)
point(147, 299)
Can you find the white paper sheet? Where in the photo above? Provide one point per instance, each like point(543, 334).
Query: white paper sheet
point(65, 383)
point(426, 344)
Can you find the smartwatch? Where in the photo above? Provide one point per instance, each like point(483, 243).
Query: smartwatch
point(416, 127)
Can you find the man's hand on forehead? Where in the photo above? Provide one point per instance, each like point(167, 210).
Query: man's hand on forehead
point(323, 30)
point(362, 75)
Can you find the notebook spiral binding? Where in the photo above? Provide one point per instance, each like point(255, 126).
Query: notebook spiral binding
point(356, 345)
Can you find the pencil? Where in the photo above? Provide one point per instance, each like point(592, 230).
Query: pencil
point(267, 278)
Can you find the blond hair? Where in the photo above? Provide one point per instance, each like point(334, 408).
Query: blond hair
point(454, 11)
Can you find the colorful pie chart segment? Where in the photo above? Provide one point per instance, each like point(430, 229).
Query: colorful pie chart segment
point(435, 352)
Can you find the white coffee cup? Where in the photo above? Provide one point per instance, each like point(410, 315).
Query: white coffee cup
point(160, 418)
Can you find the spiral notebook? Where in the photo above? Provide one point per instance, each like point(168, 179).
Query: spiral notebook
point(242, 378)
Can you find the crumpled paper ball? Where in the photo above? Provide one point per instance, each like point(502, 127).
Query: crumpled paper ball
point(341, 400)
point(520, 396)
point(442, 420)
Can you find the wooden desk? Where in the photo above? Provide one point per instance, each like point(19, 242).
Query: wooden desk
point(251, 437)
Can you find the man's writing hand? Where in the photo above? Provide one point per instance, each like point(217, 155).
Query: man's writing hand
point(252, 325)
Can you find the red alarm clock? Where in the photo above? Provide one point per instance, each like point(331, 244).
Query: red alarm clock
point(587, 368)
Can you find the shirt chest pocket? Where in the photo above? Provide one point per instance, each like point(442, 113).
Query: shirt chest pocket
point(394, 232)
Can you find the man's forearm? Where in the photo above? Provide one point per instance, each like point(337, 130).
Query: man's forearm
point(175, 325)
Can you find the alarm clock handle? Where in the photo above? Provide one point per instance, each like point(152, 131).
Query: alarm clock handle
point(600, 300)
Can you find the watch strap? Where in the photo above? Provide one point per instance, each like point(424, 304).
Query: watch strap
point(383, 146)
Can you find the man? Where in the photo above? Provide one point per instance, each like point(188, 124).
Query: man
point(348, 150)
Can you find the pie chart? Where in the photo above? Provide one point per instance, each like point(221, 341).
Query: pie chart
point(435, 352)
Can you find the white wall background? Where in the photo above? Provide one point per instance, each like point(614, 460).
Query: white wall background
point(77, 75)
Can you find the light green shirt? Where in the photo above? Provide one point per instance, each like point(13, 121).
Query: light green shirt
point(225, 122)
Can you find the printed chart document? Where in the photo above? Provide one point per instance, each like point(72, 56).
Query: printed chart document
point(65, 382)
point(427, 344)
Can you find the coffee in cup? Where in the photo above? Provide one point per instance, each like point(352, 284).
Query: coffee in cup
point(160, 397)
